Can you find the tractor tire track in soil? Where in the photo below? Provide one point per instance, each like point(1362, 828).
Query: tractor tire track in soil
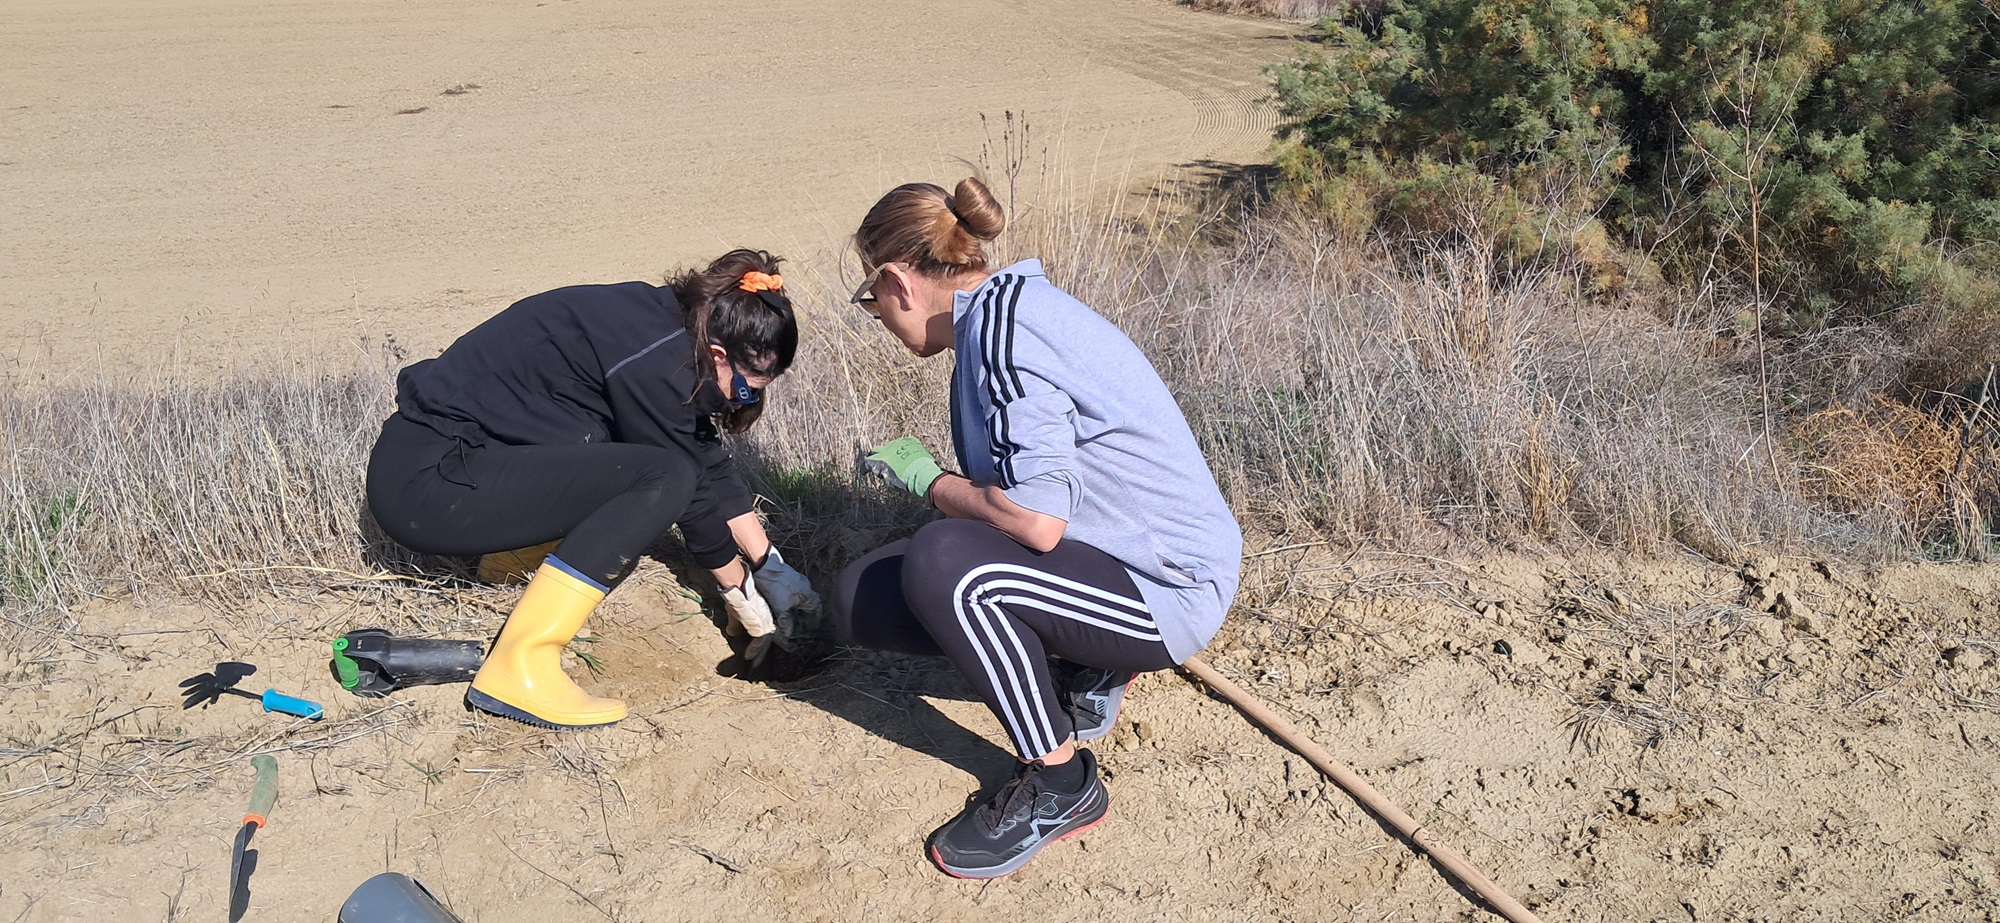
point(1215, 63)
point(210, 184)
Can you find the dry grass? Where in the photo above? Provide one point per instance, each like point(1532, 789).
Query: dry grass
point(1650, 667)
point(1300, 10)
point(1341, 396)
point(1904, 470)
point(124, 752)
point(215, 488)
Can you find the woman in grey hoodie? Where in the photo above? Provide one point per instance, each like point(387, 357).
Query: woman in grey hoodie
point(1084, 541)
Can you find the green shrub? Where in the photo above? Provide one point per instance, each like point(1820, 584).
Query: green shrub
point(1831, 154)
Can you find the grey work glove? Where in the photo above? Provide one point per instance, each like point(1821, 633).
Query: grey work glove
point(790, 595)
point(750, 614)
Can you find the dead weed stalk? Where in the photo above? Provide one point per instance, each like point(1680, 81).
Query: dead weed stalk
point(87, 763)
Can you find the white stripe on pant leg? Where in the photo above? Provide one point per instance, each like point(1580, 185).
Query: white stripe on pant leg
point(1021, 701)
point(1034, 687)
point(1015, 710)
point(982, 598)
point(1072, 615)
point(1004, 706)
point(1057, 583)
point(1071, 606)
point(1036, 733)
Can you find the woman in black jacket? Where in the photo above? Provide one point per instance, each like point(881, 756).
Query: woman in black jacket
point(590, 415)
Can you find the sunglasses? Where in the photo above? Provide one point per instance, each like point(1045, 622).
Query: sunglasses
point(864, 294)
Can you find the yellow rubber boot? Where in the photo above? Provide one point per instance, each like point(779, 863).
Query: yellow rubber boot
point(522, 677)
point(517, 566)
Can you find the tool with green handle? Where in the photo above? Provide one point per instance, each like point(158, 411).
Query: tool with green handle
point(262, 796)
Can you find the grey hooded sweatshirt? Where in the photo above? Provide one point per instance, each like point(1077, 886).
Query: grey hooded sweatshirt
point(1058, 407)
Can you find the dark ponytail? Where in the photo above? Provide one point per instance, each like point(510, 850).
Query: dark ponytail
point(758, 329)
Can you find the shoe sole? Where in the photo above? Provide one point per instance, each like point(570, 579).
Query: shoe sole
point(1010, 868)
point(493, 706)
point(1110, 720)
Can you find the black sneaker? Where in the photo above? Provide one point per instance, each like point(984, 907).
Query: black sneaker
point(1093, 695)
point(1000, 834)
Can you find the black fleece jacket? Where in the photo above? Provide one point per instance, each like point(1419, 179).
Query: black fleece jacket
point(587, 363)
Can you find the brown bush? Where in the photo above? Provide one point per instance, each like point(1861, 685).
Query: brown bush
point(1889, 464)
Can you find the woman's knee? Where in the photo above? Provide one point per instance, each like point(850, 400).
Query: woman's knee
point(868, 609)
point(386, 481)
point(939, 558)
point(660, 468)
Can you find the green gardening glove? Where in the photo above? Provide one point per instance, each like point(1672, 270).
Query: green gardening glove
point(904, 463)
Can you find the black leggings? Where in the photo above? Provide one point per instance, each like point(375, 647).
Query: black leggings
point(607, 501)
point(965, 590)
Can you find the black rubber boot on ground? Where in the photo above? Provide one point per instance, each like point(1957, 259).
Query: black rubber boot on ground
point(1093, 695)
point(1002, 832)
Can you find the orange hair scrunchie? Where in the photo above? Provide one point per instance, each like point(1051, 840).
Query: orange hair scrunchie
point(754, 282)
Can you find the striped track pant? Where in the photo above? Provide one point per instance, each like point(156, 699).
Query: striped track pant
point(999, 611)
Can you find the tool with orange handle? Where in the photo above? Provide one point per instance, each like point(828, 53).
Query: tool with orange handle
point(262, 796)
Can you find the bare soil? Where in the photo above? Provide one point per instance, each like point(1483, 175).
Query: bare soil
point(214, 184)
point(1609, 741)
point(211, 184)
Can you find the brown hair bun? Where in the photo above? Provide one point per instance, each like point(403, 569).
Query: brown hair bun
point(940, 233)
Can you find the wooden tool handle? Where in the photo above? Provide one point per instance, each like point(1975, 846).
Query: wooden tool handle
point(1358, 787)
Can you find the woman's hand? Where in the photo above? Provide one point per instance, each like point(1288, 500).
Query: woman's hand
point(750, 614)
point(785, 595)
point(905, 464)
point(790, 594)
